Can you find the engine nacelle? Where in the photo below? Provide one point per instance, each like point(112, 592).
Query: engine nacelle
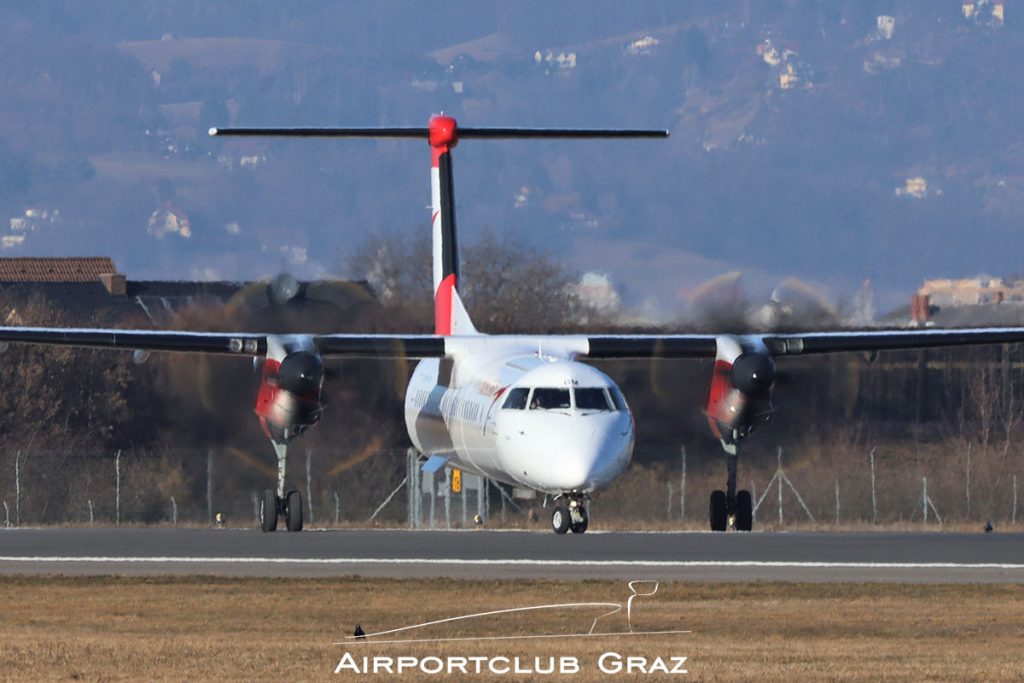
point(290, 396)
point(740, 398)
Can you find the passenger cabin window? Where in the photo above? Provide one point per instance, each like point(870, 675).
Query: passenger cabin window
point(550, 399)
point(592, 399)
point(516, 399)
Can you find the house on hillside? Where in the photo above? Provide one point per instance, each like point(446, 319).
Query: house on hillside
point(984, 12)
point(561, 63)
point(33, 218)
point(916, 188)
point(966, 302)
point(885, 26)
point(169, 220)
point(642, 46)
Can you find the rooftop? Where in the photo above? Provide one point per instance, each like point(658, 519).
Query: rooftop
point(77, 269)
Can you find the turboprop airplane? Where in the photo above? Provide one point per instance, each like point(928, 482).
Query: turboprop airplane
point(524, 410)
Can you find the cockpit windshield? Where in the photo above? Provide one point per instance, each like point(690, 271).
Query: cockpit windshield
point(550, 399)
point(516, 399)
point(592, 399)
point(586, 398)
point(617, 398)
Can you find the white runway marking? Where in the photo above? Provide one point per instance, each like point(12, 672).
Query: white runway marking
point(654, 564)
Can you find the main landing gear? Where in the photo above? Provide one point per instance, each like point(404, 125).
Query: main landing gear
point(276, 504)
point(572, 518)
point(731, 508)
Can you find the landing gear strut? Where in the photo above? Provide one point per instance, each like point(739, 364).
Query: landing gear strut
point(730, 508)
point(276, 504)
point(573, 518)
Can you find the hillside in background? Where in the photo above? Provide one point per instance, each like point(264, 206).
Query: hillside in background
point(832, 141)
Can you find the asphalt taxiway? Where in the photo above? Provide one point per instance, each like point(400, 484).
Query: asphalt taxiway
point(819, 557)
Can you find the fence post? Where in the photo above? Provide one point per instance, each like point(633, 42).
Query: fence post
point(117, 487)
point(209, 486)
point(671, 495)
point(309, 485)
point(409, 493)
point(753, 497)
point(447, 498)
point(924, 498)
point(7, 515)
point(90, 512)
point(174, 511)
point(874, 492)
point(503, 502)
point(480, 497)
point(780, 485)
point(682, 488)
point(416, 481)
point(837, 500)
point(1013, 512)
point(465, 512)
point(433, 500)
point(968, 482)
point(337, 507)
point(17, 489)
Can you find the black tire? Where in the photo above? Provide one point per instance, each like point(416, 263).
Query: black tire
point(580, 527)
point(268, 511)
point(719, 513)
point(293, 510)
point(560, 520)
point(744, 511)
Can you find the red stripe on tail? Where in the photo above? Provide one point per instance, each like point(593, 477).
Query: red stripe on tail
point(443, 306)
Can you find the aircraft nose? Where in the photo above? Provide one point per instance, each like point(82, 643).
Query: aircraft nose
point(588, 463)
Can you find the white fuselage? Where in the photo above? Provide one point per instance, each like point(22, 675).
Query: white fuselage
point(532, 418)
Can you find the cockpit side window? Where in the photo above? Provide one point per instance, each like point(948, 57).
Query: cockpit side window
point(591, 399)
point(617, 398)
point(516, 399)
point(550, 399)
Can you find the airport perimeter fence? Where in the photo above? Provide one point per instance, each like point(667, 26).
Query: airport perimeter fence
point(667, 488)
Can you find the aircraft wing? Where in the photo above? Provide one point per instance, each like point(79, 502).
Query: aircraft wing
point(603, 347)
point(147, 340)
point(652, 346)
point(380, 345)
point(803, 343)
point(228, 343)
point(883, 340)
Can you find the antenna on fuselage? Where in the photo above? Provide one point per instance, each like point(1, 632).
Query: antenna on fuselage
point(443, 134)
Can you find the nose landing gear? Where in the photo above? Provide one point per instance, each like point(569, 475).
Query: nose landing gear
point(573, 518)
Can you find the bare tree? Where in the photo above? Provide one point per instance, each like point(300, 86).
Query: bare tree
point(508, 286)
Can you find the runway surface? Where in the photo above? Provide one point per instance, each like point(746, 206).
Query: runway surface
point(826, 557)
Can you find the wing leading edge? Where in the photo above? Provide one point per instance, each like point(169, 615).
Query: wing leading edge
point(885, 340)
point(805, 343)
point(227, 343)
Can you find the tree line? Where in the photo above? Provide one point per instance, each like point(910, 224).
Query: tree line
point(69, 411)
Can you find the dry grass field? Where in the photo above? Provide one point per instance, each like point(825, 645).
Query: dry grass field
point(202, 628)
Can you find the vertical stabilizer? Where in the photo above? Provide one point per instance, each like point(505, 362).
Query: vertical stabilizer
point(450, 316)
